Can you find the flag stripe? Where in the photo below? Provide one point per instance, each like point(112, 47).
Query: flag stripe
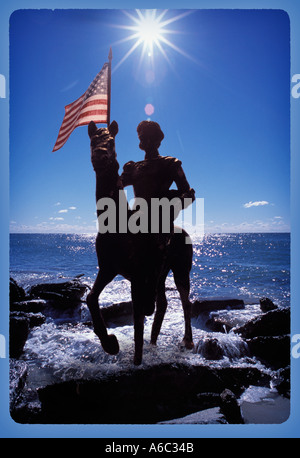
point(60, 143)
point(102, 109)
point(98, 116)
point(64, 137)
point(74, 104)
point(92, 112)
point(88, 119)
point(66, 125)
point(98, 96)
point(91, 106)
point(94, 106)
point(73, 107)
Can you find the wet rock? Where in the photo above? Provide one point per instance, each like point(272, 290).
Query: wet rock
point(266, 305)
point(120, 313)
point(218, 324)
point(272, 350)
point(224, 345)
point(273, 323)
point(150, 395)
point(230, 407)
point(208, 400)
point(61, 295)
point(27, 409)
point(16, 292)
point(24, 405)
point(283, 382)
point(20, 323)
point(17, 378)
point(210, 349)
point(34, 319)
point(29, 306)
point(209, 305)
point(18, 333)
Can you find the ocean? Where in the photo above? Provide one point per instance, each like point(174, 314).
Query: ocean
point(236, 266)
point(245, 266)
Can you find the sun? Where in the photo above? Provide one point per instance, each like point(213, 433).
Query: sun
point(149, 32)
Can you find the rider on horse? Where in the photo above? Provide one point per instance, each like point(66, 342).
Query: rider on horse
point(152, 177)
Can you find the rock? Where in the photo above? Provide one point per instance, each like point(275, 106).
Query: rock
point(143, 396)
point(23, 402)
point(236, 380)
point(120, 312)
point(273, 323)
point(18, 332)
point(230, 407)
point(283, 382)
point(17, 379)
point(208, 400)
point(224, 345)
point(266, 305)
point(209, 305)
point(27, 409)
point(210, 349)
point(16, 292)
point(267, 337)
point(34, 319)
point(272, 350)
point(218, 324)
point(211, 416)
point(61, 295)
point(29, 306)
point(19, 325)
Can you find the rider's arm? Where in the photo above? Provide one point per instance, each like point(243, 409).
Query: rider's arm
point(126, 176)
point(184, 189)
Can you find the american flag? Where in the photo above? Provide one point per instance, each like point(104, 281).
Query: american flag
point(91, 106)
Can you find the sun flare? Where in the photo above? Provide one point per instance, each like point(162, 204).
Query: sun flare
point(149, 32)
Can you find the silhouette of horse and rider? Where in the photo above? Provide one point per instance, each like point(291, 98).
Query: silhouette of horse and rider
point(143, 257)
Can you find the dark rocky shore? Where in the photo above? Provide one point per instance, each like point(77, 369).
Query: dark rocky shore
point(164, 393)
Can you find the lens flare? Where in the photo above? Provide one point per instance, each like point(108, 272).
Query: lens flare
point(149, 109)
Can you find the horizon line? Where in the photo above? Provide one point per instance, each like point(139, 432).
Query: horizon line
point(95, 233)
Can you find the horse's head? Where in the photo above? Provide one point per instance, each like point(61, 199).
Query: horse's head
point(103, 153)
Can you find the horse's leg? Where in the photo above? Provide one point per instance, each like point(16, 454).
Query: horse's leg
point(161, 307)
point(109, 342)
point(139, 318)
point(182, 281)
point(138, 337)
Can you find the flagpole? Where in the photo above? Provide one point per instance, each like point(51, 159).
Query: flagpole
point(109, 86)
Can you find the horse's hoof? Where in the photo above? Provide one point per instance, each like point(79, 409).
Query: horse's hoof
point(188, 344)
point(111, 345)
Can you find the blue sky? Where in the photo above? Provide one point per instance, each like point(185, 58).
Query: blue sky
point(222, 98)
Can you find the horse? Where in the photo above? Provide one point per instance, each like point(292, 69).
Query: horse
point(133, 256)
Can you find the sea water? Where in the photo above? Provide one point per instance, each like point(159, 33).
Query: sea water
point(246, 266)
